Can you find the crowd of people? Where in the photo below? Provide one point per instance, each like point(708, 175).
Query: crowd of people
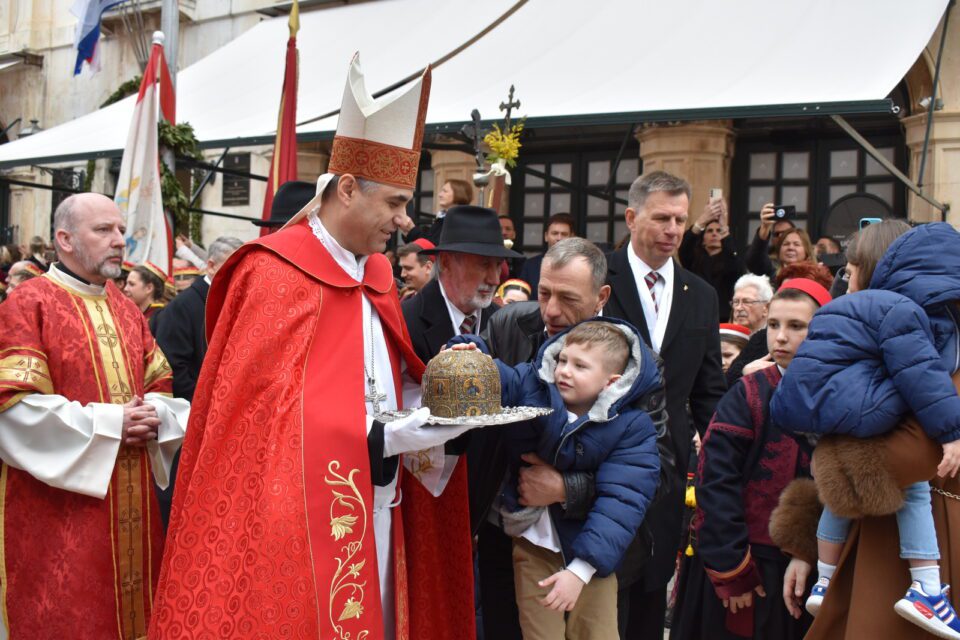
point(237, 449)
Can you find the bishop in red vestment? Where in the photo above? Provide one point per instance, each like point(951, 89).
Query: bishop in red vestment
point(80, 534)
point(284, 520)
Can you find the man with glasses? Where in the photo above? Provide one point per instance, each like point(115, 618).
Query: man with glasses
point(751, 297)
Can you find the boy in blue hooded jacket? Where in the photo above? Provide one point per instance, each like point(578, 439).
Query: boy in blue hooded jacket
point(871, 359)
point(564, 568)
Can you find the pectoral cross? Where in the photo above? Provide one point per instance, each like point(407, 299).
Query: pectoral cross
point(508, 106)
point(373, 397)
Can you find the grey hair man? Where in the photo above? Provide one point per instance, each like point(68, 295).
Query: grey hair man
point(87, 420)
point(751, 298)
point(676, 313)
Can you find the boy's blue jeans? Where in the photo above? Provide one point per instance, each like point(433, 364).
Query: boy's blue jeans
point(918, 536)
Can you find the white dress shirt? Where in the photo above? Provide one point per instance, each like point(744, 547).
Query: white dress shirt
point(456, 316)
point(655, 315)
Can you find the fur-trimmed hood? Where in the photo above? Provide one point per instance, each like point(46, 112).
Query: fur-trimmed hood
point(639, 377)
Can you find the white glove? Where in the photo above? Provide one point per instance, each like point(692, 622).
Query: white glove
point(410, 434)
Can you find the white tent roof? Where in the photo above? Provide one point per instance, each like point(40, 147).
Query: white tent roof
point(606, 61)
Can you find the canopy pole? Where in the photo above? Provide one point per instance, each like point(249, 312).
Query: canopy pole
point(207, 177)
point(933, 97)
point(616, 163)
point(886, 164)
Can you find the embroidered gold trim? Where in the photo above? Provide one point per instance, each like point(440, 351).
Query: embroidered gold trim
point(25, 372)
point(14, 399)
point(128, 472)
point(157, 368)
point(348, 522)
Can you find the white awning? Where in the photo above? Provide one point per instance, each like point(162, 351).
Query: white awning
point(571, 62)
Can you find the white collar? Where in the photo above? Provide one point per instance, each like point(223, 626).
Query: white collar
point(639, 266)
point(74, 284)
point(208, 279)
point(350, 263)
point(457, 316)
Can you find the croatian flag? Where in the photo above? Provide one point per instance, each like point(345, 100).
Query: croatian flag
point(88, 14)
point(148, 237)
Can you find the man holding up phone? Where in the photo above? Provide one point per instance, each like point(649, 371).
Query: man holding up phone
point(708, 250)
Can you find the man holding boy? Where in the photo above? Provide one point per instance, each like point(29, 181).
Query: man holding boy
point(571, 289)
point(592, 377)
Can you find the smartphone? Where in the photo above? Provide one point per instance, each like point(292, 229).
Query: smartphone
point(866, 222)
point(784, 212)
point(716, 194)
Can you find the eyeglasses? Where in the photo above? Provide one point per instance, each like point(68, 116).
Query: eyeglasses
point(736, 302)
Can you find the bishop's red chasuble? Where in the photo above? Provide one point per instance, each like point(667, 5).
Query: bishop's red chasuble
point(72, 565)
point(271, 532)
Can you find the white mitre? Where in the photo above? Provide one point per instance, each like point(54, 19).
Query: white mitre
point(377, 139)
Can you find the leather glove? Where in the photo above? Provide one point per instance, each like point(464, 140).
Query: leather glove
point(411, 434)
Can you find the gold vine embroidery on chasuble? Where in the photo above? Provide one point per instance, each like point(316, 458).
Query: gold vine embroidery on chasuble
point(348, 522)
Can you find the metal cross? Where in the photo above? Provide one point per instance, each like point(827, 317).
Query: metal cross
point(373, 397)
point(508, 106)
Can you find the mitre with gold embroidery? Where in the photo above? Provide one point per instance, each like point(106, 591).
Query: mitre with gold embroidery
point(377, 139)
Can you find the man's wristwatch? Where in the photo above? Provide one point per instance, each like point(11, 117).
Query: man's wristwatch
point(697, 228)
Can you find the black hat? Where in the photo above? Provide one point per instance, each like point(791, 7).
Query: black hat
point(287, 201)
point(475, 230)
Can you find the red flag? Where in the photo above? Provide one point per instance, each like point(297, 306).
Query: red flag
point(284, 165)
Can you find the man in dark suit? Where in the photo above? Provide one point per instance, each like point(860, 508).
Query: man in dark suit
point(459, 298)
point(677, 314)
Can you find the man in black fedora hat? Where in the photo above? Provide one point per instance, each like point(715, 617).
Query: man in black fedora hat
point(290, 197)
point(458, 299)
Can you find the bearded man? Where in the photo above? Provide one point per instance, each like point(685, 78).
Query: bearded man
point(87, 419)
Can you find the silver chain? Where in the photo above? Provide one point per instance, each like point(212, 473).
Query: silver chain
point(945, 493)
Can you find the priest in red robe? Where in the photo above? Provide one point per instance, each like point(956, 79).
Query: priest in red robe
point(285, 521)
point(87, 424)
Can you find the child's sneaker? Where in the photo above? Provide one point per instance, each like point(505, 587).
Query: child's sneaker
point(933, 613)
point(817, 594)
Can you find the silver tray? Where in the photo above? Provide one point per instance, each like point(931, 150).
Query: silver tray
point(507, 415)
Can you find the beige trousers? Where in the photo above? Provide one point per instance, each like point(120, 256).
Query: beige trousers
point(593, 618)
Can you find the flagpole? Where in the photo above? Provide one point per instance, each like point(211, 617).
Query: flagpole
point(170, 25)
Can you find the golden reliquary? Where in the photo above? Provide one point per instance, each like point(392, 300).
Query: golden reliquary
point(461, 383)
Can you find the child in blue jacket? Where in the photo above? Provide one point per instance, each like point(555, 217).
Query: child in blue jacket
point(564, 568)
point(870, 359)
